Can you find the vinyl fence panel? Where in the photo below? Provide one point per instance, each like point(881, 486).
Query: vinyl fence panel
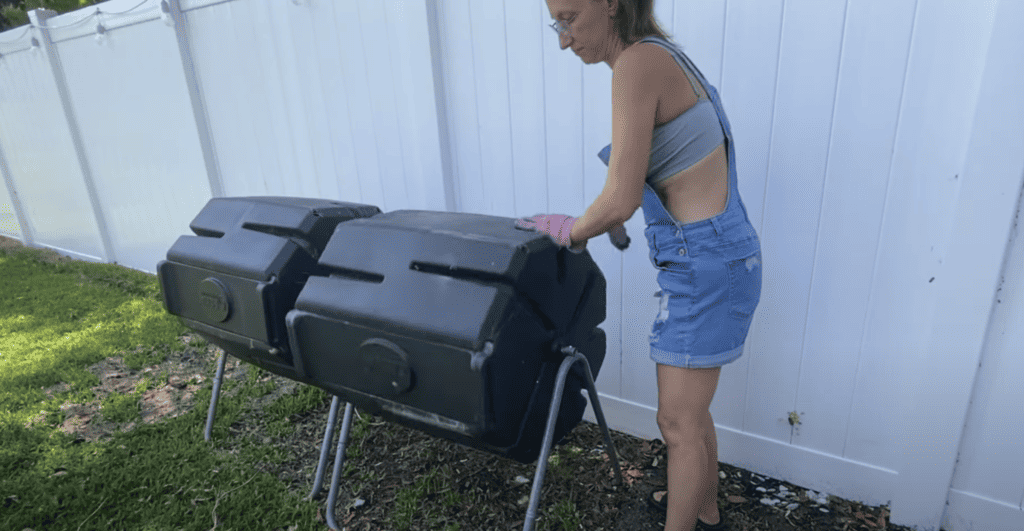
point(41, 160)
point(700, 28)
point(309, 99)
point(859, 155)
point(940, 95)
point(811, 42)
point(126, 86)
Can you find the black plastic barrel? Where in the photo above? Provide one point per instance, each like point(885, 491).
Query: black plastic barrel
point(235, 280)
point(450, 323)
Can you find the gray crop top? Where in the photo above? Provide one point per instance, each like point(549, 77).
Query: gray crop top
point(683, 141)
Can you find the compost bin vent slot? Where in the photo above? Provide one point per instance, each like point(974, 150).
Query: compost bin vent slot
point(355, 274)
point(463, 273)
point(208, 233)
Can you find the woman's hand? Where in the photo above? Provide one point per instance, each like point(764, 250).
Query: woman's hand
point(557, 226)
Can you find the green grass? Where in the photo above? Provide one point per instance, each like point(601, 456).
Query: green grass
point(121, 408)
point(409, 506)
point(56, 319)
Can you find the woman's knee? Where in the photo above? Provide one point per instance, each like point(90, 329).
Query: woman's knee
point(680, 429)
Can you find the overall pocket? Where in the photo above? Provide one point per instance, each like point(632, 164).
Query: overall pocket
point(652, 245)
point(745, 283)
point(666, 249)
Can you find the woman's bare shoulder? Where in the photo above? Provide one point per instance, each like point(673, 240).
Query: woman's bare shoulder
point(640, 59)
point(646, 59)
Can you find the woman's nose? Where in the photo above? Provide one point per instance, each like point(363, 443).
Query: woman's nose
point(564, 40)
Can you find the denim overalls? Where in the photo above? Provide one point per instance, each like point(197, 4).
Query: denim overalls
point(709, 271)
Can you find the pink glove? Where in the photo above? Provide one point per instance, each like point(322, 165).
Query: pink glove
point(619, 237)
point(557, 226)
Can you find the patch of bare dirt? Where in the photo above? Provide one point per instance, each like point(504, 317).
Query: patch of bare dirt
point(172, 385)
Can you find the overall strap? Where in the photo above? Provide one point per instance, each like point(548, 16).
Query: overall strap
point(713, 95)
point(677, 52)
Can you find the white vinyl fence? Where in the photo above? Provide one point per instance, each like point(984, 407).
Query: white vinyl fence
point(880, 154)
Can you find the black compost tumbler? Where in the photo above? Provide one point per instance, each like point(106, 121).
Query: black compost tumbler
point(451, 323)
point(455, 324)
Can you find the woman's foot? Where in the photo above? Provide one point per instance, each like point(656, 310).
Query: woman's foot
point(658, 501)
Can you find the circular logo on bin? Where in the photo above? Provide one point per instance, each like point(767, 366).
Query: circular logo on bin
point(213, 297)
point(383, 368)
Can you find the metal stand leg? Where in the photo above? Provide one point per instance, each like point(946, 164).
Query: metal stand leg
point(321, 466)
point(216, 394)
point(339, 459)
point(572, 356)
point(599, 414)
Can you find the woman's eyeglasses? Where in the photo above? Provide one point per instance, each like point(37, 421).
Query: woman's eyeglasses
point(562, 27)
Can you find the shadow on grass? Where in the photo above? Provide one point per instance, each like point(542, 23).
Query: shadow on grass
point(58, 317)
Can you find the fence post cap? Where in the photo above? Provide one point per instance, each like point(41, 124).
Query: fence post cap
point(40, 16)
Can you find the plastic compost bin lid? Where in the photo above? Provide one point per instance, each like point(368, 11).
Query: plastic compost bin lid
point(436, 274)
point(247, 236)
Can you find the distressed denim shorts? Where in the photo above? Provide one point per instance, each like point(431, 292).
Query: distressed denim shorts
point(710, 279)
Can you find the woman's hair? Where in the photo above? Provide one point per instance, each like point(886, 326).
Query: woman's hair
point(635, 20)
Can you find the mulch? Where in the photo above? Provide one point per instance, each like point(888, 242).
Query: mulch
point(390, 457)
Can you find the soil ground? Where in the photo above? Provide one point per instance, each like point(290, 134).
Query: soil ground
point(393, 457)
point(388, 458)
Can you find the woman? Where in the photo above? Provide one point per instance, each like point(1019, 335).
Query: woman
point(672, 154)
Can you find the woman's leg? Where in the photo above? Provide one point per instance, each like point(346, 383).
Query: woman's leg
point(684, 399)
point(708, 512)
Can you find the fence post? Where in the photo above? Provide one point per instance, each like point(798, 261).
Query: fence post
point(39, 18)
point(27, 237)
point(452, 196)
point(173, 9)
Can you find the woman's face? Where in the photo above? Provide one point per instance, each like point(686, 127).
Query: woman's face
point(591, 32)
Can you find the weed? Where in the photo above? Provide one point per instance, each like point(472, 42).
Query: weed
point(144, 357)
point(357, 435)
point(307, 397)
point(144, 385)
point(566, 514)
point(451, 498)
point(554, 460)
point(121, 408)
point(279, 428)
point(408, 500)
point(258, 382)
point(365, 480)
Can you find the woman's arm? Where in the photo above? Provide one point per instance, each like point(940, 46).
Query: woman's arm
point(634, 106)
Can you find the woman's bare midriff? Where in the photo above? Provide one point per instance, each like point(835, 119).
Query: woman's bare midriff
point(698, 192)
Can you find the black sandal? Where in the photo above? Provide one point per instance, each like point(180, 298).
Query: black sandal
point(662, 506)
point(720, 526)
